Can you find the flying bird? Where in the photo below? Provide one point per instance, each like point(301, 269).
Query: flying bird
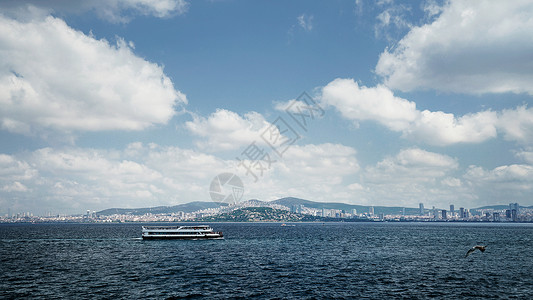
point(480, 248)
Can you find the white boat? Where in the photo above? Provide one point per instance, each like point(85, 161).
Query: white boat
point(195, 232)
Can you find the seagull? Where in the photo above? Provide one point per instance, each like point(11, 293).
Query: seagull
point(480, 248)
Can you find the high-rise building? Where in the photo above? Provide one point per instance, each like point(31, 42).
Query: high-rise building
point(496, 217)
point(452, 210)
point(403, 211)
point(444, 214)
point(421, 209)
point(371, 210)
point(462, 212)
point(514, 206)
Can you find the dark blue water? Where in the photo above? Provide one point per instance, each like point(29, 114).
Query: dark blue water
point(362, 260)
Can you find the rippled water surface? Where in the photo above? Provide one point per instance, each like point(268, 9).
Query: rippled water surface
point(331, 260)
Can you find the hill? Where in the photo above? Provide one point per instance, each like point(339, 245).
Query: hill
point(187, 207)
point(260, 214)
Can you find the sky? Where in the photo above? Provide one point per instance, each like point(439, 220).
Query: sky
point(134, 103)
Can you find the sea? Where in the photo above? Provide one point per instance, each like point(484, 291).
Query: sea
point(269, 261)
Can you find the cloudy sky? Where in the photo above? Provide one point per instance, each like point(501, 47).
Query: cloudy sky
point(134, 103)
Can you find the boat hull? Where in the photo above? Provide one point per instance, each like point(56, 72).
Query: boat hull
point(153, 237)
point(195, 232)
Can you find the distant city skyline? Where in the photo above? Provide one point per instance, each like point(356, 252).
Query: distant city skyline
point(379, 103)
point(282, 211)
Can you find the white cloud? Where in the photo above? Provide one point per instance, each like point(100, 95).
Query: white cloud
point(12, 169)
point(15, 187)
point(290, 105)
point(432, 8)
point(503, 183)
point(53, 77)
point(359, 103)
point(392, 20)
point(412, 176)
point(359, 6)
point(75, 179)
point(325, 162)
point(439, 128)
point(115, 11)
point(517, 124)
point(526, 155)
point(316, 172)
point(306, 22)
point(227, 130)
point(452, 182)
point(412, 165)
point(356, 102)
point(471, 47)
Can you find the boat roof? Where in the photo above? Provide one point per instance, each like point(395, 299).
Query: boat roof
point(178, 227)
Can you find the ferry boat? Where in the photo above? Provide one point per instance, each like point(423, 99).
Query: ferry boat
point(195, 232)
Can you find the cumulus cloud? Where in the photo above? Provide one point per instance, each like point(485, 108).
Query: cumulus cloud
point(471, 47)
point(325, 162)
point(12, 169)
point(53, 77)
point(411, 165)
point(317, 172)
point(15, 187)
point(356, 102)
point(115, 11)
point(227, 130)
point(517, 124)
point(75, 179)
point(360, 103)
point(526, 155)
point(439, 128)
point(503, 184)
point(413, 175)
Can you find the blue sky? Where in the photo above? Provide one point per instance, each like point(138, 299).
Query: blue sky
point(132, 104)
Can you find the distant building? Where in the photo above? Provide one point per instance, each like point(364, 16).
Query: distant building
point(371, 210)
point(514, 206)
point(452, 210)
point(462, 213)
point(354, 212)
point(444, 216)
point(508, 214)
point(421, 208)
point(496, 217)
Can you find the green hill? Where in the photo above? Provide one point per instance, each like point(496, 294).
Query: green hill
point(187, 207)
